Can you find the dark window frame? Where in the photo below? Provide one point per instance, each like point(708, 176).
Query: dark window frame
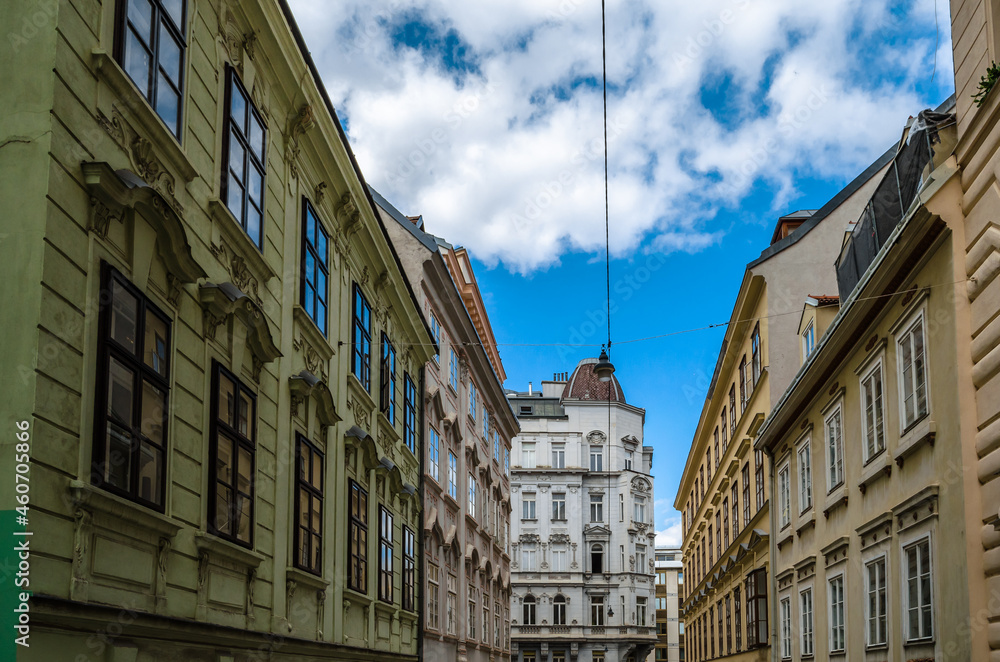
point(251, 159)
point(757, 634)
point(387, 383)
point(361, 334)
point(386, 525)
point(409, 569)
point(108, 348)
point(321, 265)
point(409, 413)
point(759, 477)
point(158, 17)
point(304, 483)
point(240, 442)
point(357, 538)
point(755, 355)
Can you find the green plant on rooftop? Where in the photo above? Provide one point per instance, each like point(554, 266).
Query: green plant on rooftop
point(986, 84)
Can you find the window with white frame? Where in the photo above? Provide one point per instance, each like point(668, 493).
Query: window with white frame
point(639, 512)
point(436, 334)
point(785, 620)
point(640, 610)
point(528, 557)
point(835, 592)
point(558, 456)
point(528, 455)
point(528, 505)
point(806, 627)
point(559, 559)
point(784, 497)
point(629, 455)
point(432, 453)
point(597, 610)
point(433, 587)
point(873, 410)
point(453, 370)
point(452, 475)
point(917, 590)
point(596, 507)
point(621, 507)
point(835, 449)
point(876, 608)
point(597, 458)
point(808, 341)
point(805, 476)
point(912, 373)
point(452, 606)
point(558, 505)
point(472, 400)
point(472, 495)
point(640, 558)
point(559, 610)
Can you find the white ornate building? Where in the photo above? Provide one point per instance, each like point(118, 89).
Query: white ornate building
point(582, 524)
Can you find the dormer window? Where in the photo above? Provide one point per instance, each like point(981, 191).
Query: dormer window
point(808, 340)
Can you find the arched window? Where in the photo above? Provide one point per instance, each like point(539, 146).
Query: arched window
point(559, 610)
point(529, 610)
point(596, 558)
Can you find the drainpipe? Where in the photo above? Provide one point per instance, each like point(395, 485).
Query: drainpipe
point(773, 557)
point(420, 521)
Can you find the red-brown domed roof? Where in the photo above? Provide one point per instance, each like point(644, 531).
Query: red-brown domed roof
point(583, 384)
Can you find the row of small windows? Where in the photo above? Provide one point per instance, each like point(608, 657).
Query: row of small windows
point(529, 611)
point(914, 405)
point(501, 638)
point(557, 558)
point(749, 374)
point(917, 607)
point(558, 501)
point(718, 630)
point(558, 460)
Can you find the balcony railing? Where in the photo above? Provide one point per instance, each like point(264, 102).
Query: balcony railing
point(891, 200)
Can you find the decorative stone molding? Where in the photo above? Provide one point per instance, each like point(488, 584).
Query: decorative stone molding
point(596, 437)
point(114, 197)
point(304, 386)
point(219, 302)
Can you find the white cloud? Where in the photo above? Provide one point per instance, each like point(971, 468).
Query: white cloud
point(707, 100)
point(671, 535)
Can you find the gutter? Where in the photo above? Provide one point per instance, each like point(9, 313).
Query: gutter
point(772, 544)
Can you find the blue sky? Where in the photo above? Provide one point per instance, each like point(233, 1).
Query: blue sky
point(724, 114)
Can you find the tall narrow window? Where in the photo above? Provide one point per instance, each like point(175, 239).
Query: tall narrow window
point(433, 450)
point(758, 458)
point(597, 610)
point(755, 353)
point(746, 494)
point(559, 559)
point(496, 446)
point(757, 608)
point(718, 615)
point(309, 508)
point(436, 334)
point(132, 403)
point(805, 477)
point(744, 391)
point(385, 570)
point(472, 496)
point(244, 159)
point(640, 610)
point(528, 455)
point(152, 50)
point(629, 458)
point(725, 523)
point(506, 461)
point(486, 423)
point(806, 627)
point(357, 577)
point(361, 355)
point(639, 514)
point(919, 621)
point(409, 413)
point(785, 620)
point(315, 267)
point(409, 569)
point(472, 400)
point(836, 592)
point(596, 558)
point(559, 610)
point(724, 425)
point(784, 497)
point(808, 341)
point(473, 601)
point(737, 626)
point(558, 456)
point(387, 399)
point(559, 506)
point(452, 475)
point(528, 557)
point(877, 606)
point(453, 371)
point(528, 506)
point(835, 450)
point(233, 445)
point(640, 558)
point(912, 373)
point(452, 605)
point(528, 608)
point(729, 627)
point(433, 598)
point(732, 411)
point(874, 412)
point(596, 458)
point(718, 534)
point(596, 507)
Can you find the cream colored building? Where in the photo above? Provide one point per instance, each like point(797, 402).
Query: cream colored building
point(470, 425)
point(869, 554)
point(669, 628)
point(212, 340)
point(723, 491)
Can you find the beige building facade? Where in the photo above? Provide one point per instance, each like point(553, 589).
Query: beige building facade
point(723, 493)
point(469, 425)
point(669, 628)
point(211, 340)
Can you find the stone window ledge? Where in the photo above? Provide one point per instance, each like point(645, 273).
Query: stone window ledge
point(222, 549)
point(115, 507)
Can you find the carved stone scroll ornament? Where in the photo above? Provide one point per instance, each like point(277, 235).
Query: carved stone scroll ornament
point(142, 157)
point(290, 586)
point(81, 553)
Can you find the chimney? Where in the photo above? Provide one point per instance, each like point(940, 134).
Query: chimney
point(529, 388)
